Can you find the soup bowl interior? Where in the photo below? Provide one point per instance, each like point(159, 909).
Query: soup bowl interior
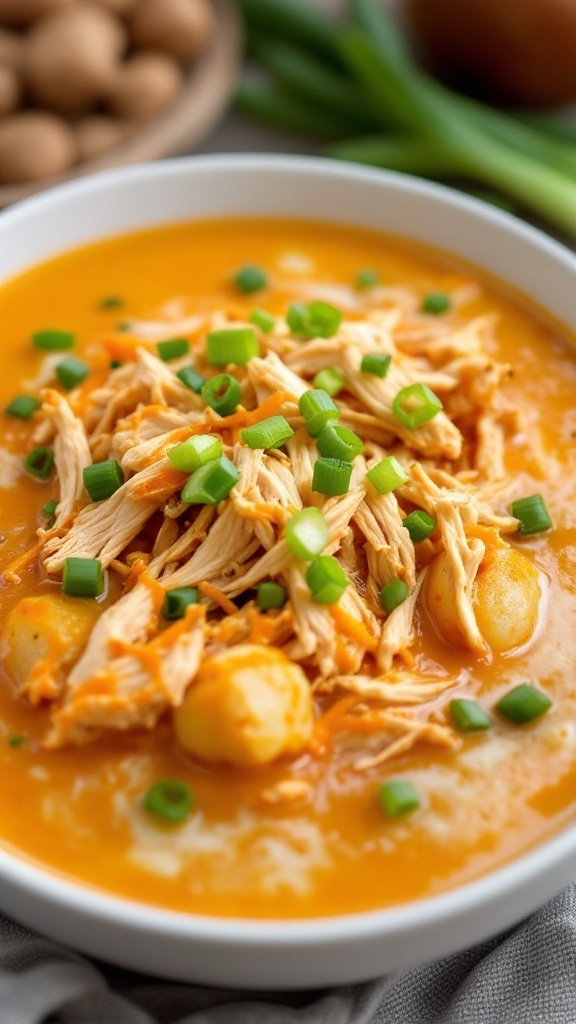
point(291, 954)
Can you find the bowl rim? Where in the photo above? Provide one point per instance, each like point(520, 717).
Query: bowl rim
point(426, 912)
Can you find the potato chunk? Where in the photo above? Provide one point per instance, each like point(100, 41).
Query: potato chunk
point(506, 600)
point(44, 636)
point(248, 706)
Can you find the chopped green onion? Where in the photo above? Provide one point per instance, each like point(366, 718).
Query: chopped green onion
point(112, 302)
point(124, 325)
point(169, 799)
point(375, 364)
point(331, 476)
point(436, 303)
point(336, 442)
point(211, 483)
point(250, 278)
point(318, 410)
point(237, 345)
point(195, 452)
point(82, 577)
point(49, 509)
point(173, 348)
point(367, 278)
point(71, 372)
point(393, 595)
point(326, 579)
point(387, 475)
point(115, 364)
point(40, 462)
point(270, 595)
point(23, 407)
point(330, 380)
point(222, 393)
point(307, 533)
point(419, 525)
point(532, 515)
point(265, 321)
point(398, 797)
point(191, 379)
point(315, 320)
point(269, 433)
point(415, 405)
point(523, 704)
point(53, 341)
point(468, 716)
point(16, 740)
point(103, 479)
point(177, 601)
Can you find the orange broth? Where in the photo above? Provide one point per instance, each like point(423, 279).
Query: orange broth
point(77, 811)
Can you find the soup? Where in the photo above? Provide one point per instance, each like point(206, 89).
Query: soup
point(288, 548)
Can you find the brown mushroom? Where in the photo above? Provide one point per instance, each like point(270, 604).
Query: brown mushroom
point(180, 27)
point(33, 145)
point(71, 57)
point(9, 90)
point(146, 84)
point(97, 134)
point(24, 12)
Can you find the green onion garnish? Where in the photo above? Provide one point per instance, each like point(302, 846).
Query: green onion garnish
point(250, 278)
point(270, 595)
point(336, 442)
point(82, 577)
point(195, 452)
point(237, 345)
point(53, 341)
point(415, 405)
point(71, 372)
point(375, 364)
point(265, 321)
point(115, 364)
point(16, 740)
point(191, 379)
point(326, 579)
point(169, 799)
point(330, 380)
point(318, 410)
point(211, 483)
point(387, 475)
point(49, 509)
point(173, 348)
point(331, 476)
point(315, 320)
point(222, 393)
point(112, 302)
point(532, 515)
point(307, 533)
point(398, 797)
point(468, 716)
point(296, 317)
point(23, 407)
point(177, 601)
point(269, 433)
point(367, 278)
point(436, 303)
point(523, 704)
point(419, 525)
point(103, 479)
point(40, 462)
point(393, 595)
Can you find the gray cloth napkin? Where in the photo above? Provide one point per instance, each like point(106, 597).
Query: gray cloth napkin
point(527, 976)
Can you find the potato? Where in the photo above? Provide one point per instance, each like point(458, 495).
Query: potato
point(9, 90)
point(146, 84)
point(97, 134)
point(46, 626)
point(34, 144)
point(521, 51)
point(11, 49)
point(23, 12)
point(180, 27)
point(71, 58)
point(248, 706)
point(506, 600)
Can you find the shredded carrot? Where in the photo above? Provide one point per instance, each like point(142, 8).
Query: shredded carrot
point(215, 595)
point(488, 534)
point(328, 724)
point(345, 659)
point(160, 486)
point(121, 346)
point(11, 572)
point(353, 628)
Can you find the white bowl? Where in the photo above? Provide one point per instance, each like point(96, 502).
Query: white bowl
point(338, 950)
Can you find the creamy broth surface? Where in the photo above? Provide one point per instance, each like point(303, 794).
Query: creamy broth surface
point(491, 795)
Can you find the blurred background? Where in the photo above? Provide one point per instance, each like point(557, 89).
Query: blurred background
point(478, 94)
